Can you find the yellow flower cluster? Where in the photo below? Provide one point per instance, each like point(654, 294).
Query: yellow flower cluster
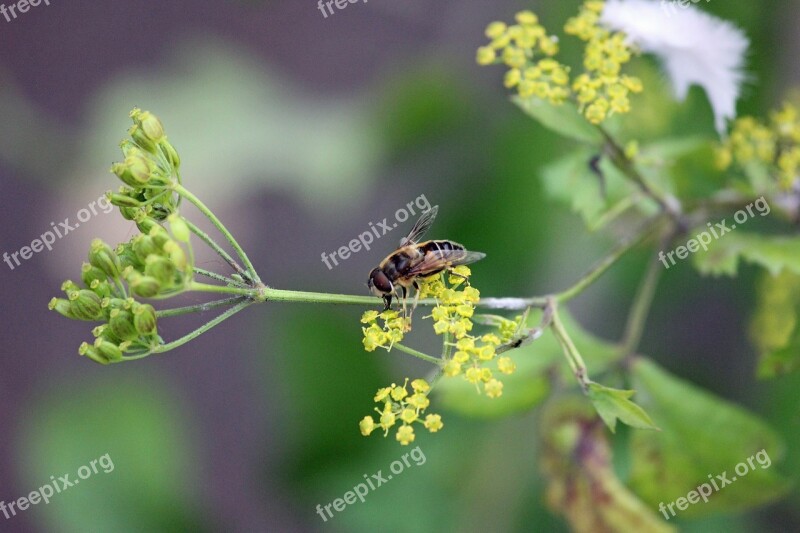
point(453, 316)
point(399, 406)
point(375, 336)
point(776, 145)
point(520, 47)
point(602, 90)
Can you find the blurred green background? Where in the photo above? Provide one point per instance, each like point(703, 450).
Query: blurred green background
point(298, 131)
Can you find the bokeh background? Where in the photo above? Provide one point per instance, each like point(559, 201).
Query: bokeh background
point(298, 130)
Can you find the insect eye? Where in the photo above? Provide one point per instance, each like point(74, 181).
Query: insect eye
point(379, 280)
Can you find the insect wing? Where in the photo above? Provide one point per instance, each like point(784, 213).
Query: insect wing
point(437, 260)
point(420, 227)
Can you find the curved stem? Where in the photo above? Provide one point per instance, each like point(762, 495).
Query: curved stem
point(202, 329)
point(218, 277)
point(574, 358)
point(180, 189)
point(420, 355)
point(601, 266)
point(637, 316)
point(199, 308)
point(214, 246)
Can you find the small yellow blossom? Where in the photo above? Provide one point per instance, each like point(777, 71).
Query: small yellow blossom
point(493, 388)
point(367, 425)
point(433, 423)
point(405, 435)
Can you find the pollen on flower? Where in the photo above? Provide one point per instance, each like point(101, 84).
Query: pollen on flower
point(526, 47)
point(385, 336)
point(773, 145)
point(397, 406)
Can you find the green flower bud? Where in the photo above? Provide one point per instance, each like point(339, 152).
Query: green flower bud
point(85, 305)
point(143, 246)
point(101, 288)
point(92, 353)
point(108, 350)
point(144, 318)
point(128, 258)
point(151, 126)
point(134, 171)
point(62, 306)
point(176, 255)
point(161, 269)
point(112, 303)
point(141, 139)
point(159, 235)
point(122, 200)
point(172, 154)
point(179, 227)
point(144, 286)
point(145, 223)
point(91, 273)
point(69, 286)
point(103, 257)
point(120, 323)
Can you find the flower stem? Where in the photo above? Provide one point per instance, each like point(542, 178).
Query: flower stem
point(415, 353)
point(637, 316)
point(204, 287)
point(218, 277)
point(605, 263)
point(202, 329)
point(183, 191)
point(199, 308)
point(214, 246)
point(574, 358)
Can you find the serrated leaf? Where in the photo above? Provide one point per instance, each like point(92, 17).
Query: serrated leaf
point(572, 181)
point(529, 384)
point(772, 253)
point(563, 119)
point(702, 435)
point(614, 404)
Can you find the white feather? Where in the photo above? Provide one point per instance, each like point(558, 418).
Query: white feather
point(693, 47)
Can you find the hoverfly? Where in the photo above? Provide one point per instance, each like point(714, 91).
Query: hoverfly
point(415, 259)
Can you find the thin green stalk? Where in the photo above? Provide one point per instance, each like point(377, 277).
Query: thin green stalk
point(637, 316)
point(574, 358)
point(202, 329)
point(206, 238)
point(199, 308)
point(219, 277)
point(604, 264)
point(180, 189)
point(415, 353)
point(204, 287)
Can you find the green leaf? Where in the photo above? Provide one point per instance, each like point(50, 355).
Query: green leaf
point(529, 384)
point(772, 253)
point(613, 404)
point(563, 119)
point(773, 328)
point(702, 435)
point(572, 181)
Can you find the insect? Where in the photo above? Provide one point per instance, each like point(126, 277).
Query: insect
point(414, 259)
